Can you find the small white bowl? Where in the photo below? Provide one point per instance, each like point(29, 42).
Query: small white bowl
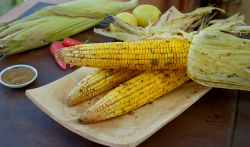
point(17, 66)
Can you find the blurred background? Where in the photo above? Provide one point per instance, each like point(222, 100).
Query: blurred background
point(6, 5)
point(230, 6)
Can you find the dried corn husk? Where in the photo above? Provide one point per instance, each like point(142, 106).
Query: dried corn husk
point(217, 59)
point(182, 21)
point(56, 22)
point(165, 28)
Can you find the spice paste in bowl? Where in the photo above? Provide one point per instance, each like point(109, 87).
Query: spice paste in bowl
point(18, 76)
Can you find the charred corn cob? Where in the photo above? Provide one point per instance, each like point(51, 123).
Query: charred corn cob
point(152, 54)
point(134, 93)
point(98, 82)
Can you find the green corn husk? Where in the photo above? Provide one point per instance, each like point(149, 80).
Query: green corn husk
point(217, 59)
point(53, 23)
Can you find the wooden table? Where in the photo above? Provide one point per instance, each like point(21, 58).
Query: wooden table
point(220, 118)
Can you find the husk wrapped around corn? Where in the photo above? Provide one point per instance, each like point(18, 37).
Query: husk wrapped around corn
point(226, 57)
point(53, 23)
point(215, 59)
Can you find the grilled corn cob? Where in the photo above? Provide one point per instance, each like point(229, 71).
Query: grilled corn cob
point(98, 82)
point(134, 93)
point(152, 54)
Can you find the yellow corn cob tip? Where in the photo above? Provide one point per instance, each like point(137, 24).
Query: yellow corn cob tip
point(100, 81)
point(58, 54)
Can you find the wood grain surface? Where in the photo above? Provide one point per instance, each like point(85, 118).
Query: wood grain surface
point(242, 121)
point(126, 130)
point(208, 122)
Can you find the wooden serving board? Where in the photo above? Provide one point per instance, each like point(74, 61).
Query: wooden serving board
point(126, 130)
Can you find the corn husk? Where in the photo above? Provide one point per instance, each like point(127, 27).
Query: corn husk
point(53, 23)
point(182, 21)
point(165, 28)
point(217, 59)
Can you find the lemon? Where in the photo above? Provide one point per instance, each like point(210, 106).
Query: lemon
point(145, 12)
point(125, 17)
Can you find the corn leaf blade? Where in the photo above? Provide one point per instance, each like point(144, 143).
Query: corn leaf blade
point(56, 22)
